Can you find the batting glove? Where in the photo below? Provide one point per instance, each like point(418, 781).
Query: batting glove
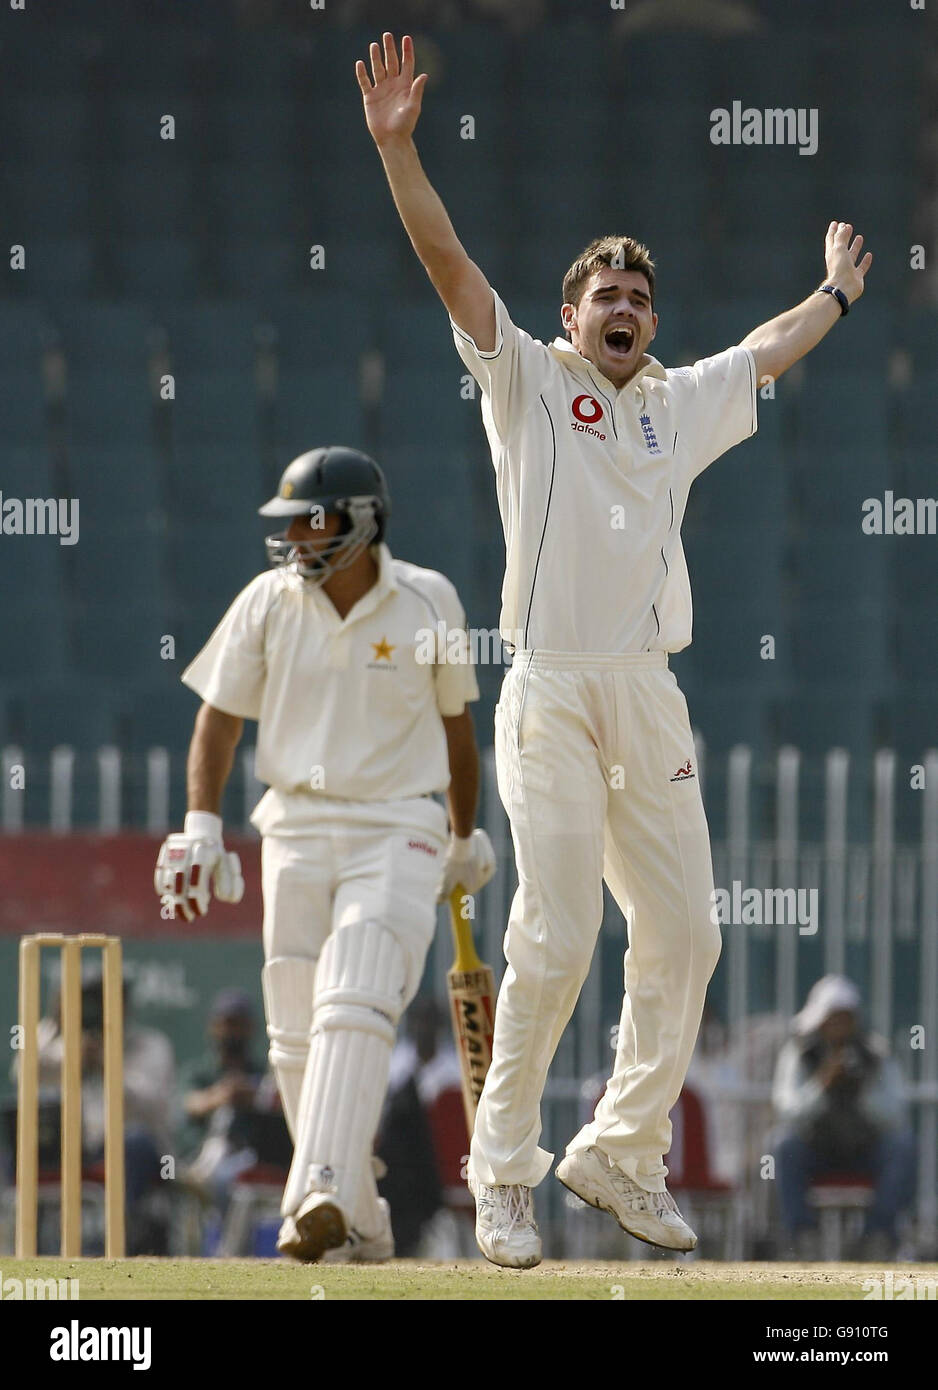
point(194, 863)
point(470, 862)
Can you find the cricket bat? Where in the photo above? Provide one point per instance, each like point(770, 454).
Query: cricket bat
point(471, 987)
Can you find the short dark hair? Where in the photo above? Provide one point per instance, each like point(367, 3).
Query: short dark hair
point(618, 252)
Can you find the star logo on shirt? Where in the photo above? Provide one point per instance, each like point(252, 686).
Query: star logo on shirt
point(382, 650)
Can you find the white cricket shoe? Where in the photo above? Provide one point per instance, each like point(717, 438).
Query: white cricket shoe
point(506, 1231)
point(649, 1216)
point(317, 1225)
point(359, 1249)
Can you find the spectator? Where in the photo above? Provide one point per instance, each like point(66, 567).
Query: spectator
point(412, 1184)
point(231, 1104)
point(840, 1101)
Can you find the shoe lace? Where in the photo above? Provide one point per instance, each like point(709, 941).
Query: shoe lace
point(518, 1207)
point(512, 1202)
point(639, 1200)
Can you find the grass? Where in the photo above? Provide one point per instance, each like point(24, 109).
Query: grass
point(465, 1280)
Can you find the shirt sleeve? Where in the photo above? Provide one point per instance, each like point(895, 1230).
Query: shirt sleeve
point(509, 375)
point(230, 670)
point(796, 1096)
point(716, 404)
point(454, 671)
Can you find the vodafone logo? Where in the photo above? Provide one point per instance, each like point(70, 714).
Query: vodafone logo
point(587, 411)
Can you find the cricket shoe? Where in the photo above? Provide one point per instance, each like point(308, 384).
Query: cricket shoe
point(317, 1225)
point(649, 1216)
point(506, 1231)
point(359, 1249)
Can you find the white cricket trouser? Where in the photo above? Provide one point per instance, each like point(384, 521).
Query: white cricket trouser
point(353, 864)
point(597, 773)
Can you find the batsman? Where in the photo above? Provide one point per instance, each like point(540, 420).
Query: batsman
point(361, 728)
point(595, 446)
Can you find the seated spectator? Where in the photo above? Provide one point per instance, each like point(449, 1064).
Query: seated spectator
point(232, 1108)
point(840, 1100)
point(411, 1182)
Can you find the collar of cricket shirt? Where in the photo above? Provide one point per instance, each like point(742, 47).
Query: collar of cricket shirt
point(385, 584)
point(575, 362)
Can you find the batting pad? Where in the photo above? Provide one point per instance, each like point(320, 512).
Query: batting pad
point(288, 983)
point(358, 999)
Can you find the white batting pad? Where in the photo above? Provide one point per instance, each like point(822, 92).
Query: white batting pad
point(288, 983)
point(358, 1000)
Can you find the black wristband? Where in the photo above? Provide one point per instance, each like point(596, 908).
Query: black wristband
point(839, 295)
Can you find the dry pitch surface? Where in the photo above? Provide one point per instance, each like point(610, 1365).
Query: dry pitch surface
point(149, 1279)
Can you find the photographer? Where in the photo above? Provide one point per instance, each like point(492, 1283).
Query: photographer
point(840, 1100)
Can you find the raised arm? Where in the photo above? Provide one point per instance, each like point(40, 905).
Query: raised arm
point(780, 343)
point(392, 99)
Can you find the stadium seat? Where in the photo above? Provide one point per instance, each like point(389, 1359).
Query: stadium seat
point(424, 405)
point(80, 713)
point(917, 640)
point(843, 641)
point(727, 558)
point(22, 408)
point(914, 563)
point(98, 334)
point(727, 714)
point(33, 644)
point(210, 562)
point(156, 196)
point(837, 409)
point(25, 469)
point(46, 129)
point(119, 640)
point(59, 265)
point(314, 328)
point(137, 123)
point(830, 482)
point(838, 564)
point(729, 639)
point(213, 407)
point(318, 406)
point(821, 719)
point(110, 405)
point(257, 267)
point(210, 481)
point(155, 268)
point(126, 559)
point(116, 484)
point(210, 335)
point(252, 197)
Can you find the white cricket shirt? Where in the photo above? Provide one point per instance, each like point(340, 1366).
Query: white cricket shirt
point(593, 482)
point(346, 708)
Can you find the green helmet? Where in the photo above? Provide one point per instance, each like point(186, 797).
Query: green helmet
point(337, 480)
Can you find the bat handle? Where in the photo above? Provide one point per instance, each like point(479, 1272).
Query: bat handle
point(463, 943)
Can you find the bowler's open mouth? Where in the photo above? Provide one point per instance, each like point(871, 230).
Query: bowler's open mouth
point(620, 339)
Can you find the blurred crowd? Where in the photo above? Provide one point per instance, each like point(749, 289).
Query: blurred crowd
point(833, 1127)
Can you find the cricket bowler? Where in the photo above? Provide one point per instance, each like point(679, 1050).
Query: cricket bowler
point(595, 446)
point(358, 732)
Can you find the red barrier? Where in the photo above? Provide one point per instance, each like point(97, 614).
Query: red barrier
point(104, 883)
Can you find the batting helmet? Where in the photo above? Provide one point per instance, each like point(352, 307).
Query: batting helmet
point(322, 481)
